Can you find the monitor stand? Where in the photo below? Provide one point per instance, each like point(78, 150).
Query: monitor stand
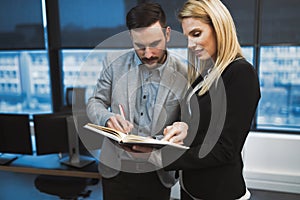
point(74, 159)
point(7, 158)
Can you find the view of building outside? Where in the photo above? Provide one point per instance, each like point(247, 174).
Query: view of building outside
point(280, 86)
point(81, 68)
point(25, 81)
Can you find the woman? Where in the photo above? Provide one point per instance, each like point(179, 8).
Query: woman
point(219, 107)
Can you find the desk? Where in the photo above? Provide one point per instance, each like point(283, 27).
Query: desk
point(50, 165)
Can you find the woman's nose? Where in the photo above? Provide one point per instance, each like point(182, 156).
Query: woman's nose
point(191, 43)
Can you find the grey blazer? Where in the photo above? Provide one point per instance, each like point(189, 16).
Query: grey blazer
point(117, 84)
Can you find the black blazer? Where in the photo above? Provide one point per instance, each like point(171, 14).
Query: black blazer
point(219, 122)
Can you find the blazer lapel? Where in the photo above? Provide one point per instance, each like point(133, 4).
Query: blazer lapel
point(132, 84)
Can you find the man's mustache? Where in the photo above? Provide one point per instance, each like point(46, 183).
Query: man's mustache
point(150, 59)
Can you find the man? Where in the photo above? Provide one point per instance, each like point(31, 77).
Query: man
point(146, 84)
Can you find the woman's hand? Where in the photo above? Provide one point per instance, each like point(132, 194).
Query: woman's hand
point(176, 133)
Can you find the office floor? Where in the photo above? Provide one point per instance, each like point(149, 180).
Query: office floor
point(16, 186)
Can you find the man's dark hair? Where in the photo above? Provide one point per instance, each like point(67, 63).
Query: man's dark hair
point(144, 15)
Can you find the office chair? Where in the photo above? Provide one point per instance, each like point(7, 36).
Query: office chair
point(66, 188)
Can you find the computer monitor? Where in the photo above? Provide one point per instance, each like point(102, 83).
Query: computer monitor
point(50, 133)
point(56, 133)
point(15, 136)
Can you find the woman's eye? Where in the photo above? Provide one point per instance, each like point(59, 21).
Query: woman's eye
point(196, 34)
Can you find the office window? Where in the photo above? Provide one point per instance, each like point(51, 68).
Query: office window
point(243, 14)
point(24, 68)
point(24, 82)
point(280, 21)
point(81, 68)
point(21, 25)
point(279, 73)
point(248, 53)
point(86, 24)
point(171, 9)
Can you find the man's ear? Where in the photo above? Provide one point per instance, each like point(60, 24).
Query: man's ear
point(130, 34)
point(131, 37)
point(168, 33)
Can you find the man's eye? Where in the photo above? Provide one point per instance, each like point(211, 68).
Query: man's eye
point(154, 44)
point(137, 46)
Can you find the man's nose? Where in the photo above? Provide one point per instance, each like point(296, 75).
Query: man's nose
point(148, 52)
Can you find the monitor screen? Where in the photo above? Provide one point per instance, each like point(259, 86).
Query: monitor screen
point(15, 135)
point(51, 133)
point(56, 133)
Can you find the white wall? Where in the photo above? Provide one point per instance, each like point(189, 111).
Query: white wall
point(272, 161)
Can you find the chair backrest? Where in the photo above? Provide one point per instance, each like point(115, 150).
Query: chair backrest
point(75, 97)
point(62, 186)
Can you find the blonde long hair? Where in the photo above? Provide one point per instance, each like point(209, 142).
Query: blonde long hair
point(213, 12)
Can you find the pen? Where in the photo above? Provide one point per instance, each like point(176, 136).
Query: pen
point(122, 111)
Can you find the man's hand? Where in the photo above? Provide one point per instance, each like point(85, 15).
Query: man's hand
point(117, 122)
point(138, 152)
point(176, 133)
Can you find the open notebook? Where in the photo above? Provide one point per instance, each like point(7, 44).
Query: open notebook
point(130, 139)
